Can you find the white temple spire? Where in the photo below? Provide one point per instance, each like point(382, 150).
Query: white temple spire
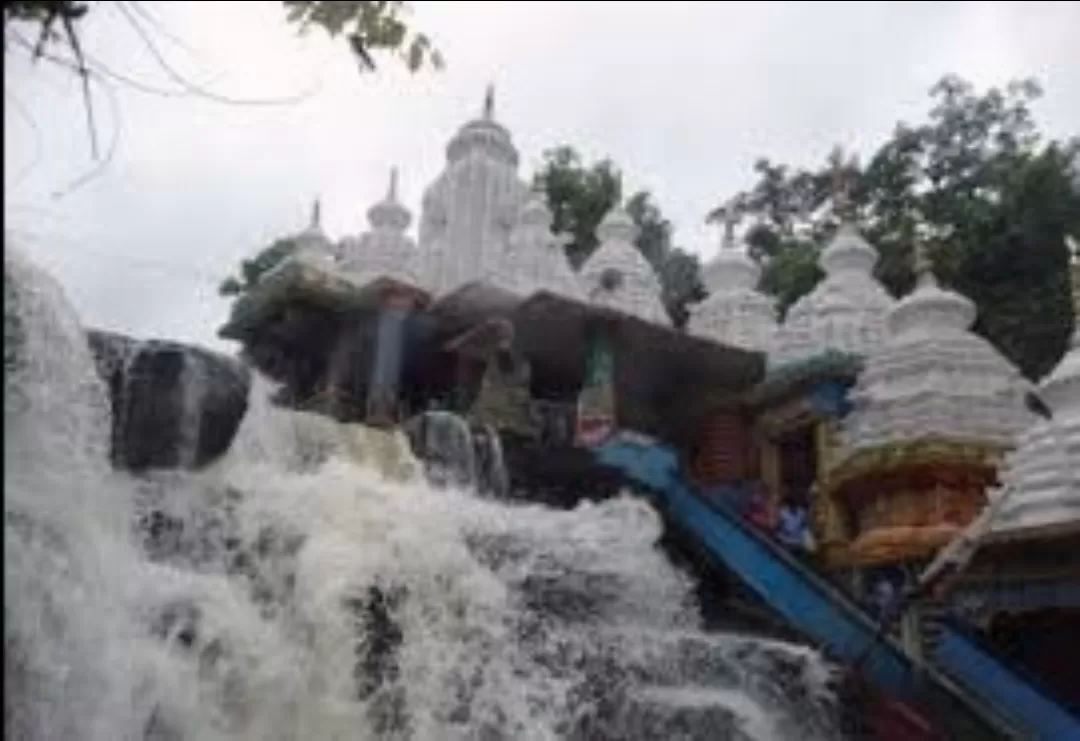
point(843, 176)
point(389, 213)
point(311, 242)
point(735, 312)
point(616, 276)
point(728, 216)
point(391, 192)
point(489, 102)
point(923, 265)
point(385, 250)
point(1041, 478)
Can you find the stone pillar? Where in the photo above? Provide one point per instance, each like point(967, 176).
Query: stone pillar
point(382, 398)
point(337, 392)
point(771, 471)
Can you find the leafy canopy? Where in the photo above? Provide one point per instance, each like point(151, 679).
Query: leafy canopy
point(579, 196)
point(252, 270)
point(995, 201)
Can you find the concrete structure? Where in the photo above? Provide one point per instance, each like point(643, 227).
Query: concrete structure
point(379, 327)
point(845, 312)
point(735, 312)
point(935, 409)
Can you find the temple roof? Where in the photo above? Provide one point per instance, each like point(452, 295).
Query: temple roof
point(846, 311)
point(535, 259)
point(1042, 475)
point(618, 277)
point(384, 251)
point(470, 208)
point(734, 312)
point(935, 378)
point(313, 247)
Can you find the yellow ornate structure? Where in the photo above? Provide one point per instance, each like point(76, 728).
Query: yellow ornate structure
point(935, 411)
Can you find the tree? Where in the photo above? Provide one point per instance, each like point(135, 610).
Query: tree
point(580, 195)
point(252, 270)
point(374, 27)
point(996, 203)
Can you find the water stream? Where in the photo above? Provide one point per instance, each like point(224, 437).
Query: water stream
point(311, 585)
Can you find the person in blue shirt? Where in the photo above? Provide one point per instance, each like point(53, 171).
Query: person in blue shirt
point(791, 525)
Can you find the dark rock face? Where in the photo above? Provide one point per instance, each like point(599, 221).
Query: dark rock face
point(173, 405)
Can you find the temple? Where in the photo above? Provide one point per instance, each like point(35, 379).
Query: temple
point(887, 418)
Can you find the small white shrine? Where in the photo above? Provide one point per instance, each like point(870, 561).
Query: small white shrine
point(934, 378)
point(735, 312)
point(1041, 478)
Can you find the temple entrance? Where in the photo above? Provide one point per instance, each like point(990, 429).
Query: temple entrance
point(798, 464)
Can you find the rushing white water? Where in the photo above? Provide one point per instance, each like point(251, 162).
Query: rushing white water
point(291, 591)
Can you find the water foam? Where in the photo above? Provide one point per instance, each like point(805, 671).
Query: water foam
point(291, 591)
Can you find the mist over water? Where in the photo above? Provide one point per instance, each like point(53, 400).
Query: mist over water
point(292, 591)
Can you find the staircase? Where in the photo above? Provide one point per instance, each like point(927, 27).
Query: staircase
point(965, 688)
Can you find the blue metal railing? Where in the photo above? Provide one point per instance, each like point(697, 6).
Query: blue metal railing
point(827, 615)
point(972, 661)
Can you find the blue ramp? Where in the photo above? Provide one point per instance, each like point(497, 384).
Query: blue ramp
point(980, 697)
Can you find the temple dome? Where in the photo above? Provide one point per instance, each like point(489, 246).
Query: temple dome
point(846, 311)
point(384, 250)
point(734, 312)
point(313, 247)
point(471, 207)
point(535, 259)
point(934, 378)
point(1042, 475)
point(618, 277)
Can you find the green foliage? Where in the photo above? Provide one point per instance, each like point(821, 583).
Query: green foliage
point(369, 27)
point(254, 269)
point(580, 195)
point(995, 202)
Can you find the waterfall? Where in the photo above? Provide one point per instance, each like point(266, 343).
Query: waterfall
point(455, 453)
point(292, 591)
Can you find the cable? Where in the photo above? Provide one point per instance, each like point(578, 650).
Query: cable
point(139, 9)
point(96, 171)
point(35, 160)
point(195, 89)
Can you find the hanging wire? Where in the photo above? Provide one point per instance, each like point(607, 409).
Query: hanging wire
point(24, 114)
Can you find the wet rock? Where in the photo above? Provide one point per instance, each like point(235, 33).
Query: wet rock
point(174, 405)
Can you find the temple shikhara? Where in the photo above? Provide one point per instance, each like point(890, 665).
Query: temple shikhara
point(888, 419)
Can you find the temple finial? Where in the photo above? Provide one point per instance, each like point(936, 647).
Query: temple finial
point(842, 183)
point(923, 265)
point(316, 214)
point(391, 193)
point(729, 215)
point(489, 102)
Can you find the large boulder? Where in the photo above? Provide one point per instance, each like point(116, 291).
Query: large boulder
point(174, 405)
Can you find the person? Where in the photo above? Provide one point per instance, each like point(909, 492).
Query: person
point(791, 525)
point(757, 508)
point(884, 597)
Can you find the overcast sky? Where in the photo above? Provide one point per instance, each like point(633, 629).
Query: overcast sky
point(683, 96)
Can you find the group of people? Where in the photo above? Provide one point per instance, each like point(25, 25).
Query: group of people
point(791, 526)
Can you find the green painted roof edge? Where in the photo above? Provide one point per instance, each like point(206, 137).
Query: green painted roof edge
point(788, 378)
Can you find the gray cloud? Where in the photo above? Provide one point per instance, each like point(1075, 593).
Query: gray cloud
point(684, 96)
